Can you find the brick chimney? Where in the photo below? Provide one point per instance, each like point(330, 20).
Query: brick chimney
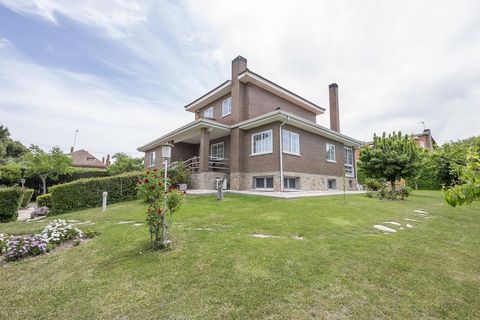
point(334, 112)
point(239, 64)
point(71, 149)
point(107, 162)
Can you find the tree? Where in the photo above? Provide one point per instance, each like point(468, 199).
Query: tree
point(47, 165)
point(10, 150)
point(468, 189)
point(10, 174)
point(391, 157)
point(125, 163)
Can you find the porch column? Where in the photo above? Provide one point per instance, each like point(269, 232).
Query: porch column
point(204, 151)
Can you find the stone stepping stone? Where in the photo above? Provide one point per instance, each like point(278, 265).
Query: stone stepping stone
point(298, 238)
point(125, 222)
point(204, 229)
point(408, 219)
point(408, 225)
point(393, 223)
point(88, 222)
point(263, 236)
point(72, 221)
point(420, 211)
point(383, 228)
point(137, 224)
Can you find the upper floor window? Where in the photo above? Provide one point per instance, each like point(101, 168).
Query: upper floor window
point(290, 142)
point(208, 113)
point(349, 162)
point(152, 159)
point(262, 142)
point(227, 107)
point(331, 153)
point(217, 150)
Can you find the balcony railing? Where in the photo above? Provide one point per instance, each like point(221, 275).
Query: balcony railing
point(214, 164)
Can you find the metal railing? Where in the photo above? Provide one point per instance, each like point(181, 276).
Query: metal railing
point(214, 164)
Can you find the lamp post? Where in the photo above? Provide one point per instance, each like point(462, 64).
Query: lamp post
point(166, 154)
point(22, 181)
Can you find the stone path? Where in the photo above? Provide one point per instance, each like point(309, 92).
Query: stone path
point(381, 227)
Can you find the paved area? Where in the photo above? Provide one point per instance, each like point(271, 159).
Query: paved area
point(284, 195)
point(24, 214)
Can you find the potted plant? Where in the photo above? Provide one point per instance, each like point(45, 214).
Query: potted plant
point(180, 176)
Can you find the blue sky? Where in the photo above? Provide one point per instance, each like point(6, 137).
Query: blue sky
point(121, 71)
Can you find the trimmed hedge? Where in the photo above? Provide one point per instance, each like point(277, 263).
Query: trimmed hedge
point(27, 196)
point(87, 193)
point(10, 199)
point(44, 200)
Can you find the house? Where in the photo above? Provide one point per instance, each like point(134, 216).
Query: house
point(84, 159)
point(261, 136)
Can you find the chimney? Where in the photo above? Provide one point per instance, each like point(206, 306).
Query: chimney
point(103, 159)
point(71, 149)
point(107, 162)
point(239, 65)
point(334, 112)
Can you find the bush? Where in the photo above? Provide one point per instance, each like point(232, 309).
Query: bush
point(404, 192)
point(3, 242)
point(87, 193)
point(21, 246)
point(10, 174)
point(10, 199)
point(27, 196)
point(374, 184)
point(180, 174)
point(59, 231)
point(44, 200)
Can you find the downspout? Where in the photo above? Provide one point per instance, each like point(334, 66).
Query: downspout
point(281, 153)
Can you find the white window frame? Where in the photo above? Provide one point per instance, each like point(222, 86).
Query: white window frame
point(264, 183)
point(216, 145)
point(349, 166)
point(285, 179)
point(269, 148)
point(226, 111)
point(287, 138)
point(208, 113)
point(327, 149)
point(151, 159)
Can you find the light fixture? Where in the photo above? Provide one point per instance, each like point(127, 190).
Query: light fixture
point(166, 151)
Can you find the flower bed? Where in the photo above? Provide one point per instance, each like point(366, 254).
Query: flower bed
point(54, 234)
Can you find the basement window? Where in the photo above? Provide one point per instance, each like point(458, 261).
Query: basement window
point(332, 184)
point(263, 182)
point(290, 183)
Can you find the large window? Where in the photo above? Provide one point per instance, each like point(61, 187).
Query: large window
point(331, 152)
point(290, 142)
point(349, 162)
point(262, 142)
point(290, 183)
point(226, 107)
point(151, 161)
point(263, 182)
point(217, 150)
point(208, 113)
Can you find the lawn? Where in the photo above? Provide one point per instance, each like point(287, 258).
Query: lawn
point(343, 268)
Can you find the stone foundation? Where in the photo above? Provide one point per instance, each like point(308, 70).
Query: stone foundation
point(206, 180)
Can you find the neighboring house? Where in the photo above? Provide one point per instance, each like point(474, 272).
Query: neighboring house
point(84, 159)
point(262, 136)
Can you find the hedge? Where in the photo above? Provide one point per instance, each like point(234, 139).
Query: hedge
point(27, 196)
point(10, 199)
point(44, 200)
point(87, 193)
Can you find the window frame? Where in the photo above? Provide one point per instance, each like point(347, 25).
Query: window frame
point(223, 150)
point(327, 152)
point(334, 182)
point(350, 166)
point(270, 149)
point(290, 135)
point(210, 109)
point(224, 114)
point(151, 159)
point(265, 187)
point(286, 179)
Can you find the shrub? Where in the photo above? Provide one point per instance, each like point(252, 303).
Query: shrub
point(374, 184)
point(21, 246)
point(404, 192)
point(180, 174)
point(10, 199)
point(371, 194)
point(87, 193)
point(44, 200)
point(3, 242)
point(10, 174)
point(59, 231)
point(27, 196)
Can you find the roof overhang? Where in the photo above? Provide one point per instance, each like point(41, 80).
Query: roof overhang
point(210, 96)
point(251, 77)
point(298, 122)
point(189, 133)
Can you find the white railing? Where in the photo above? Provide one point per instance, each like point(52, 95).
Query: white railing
point(214, 164)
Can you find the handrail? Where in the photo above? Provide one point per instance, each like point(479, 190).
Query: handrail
point(214, 163)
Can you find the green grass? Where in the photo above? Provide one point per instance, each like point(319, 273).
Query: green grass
point(343, 269)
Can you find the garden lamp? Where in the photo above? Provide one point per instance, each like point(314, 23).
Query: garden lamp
point(23, 182)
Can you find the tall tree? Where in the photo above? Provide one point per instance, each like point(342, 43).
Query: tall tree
point(47, 165)
point(391, 158)
point(125, 163)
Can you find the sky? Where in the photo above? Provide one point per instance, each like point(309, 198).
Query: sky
point(121, 71)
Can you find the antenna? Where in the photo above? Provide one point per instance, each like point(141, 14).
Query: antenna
point(75, 140)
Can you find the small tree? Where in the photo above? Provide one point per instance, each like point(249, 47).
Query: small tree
point(124, 163)
point(47, 165)
point(391, 157)
point(162, 204)
point(468, 190)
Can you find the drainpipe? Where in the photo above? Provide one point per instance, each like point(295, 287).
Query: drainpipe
point(281, 153)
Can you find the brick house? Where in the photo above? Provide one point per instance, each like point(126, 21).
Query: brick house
point(262, 136)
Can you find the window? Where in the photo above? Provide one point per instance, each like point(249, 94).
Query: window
point(226, 107)
point(208, 113)
point(262, 142)
point(290, 183)
point(290, 142)
point(332, 184)
point(263, 183)
point(349, 162)
point(152, 159)
point(331, 152)
point(217, 150)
